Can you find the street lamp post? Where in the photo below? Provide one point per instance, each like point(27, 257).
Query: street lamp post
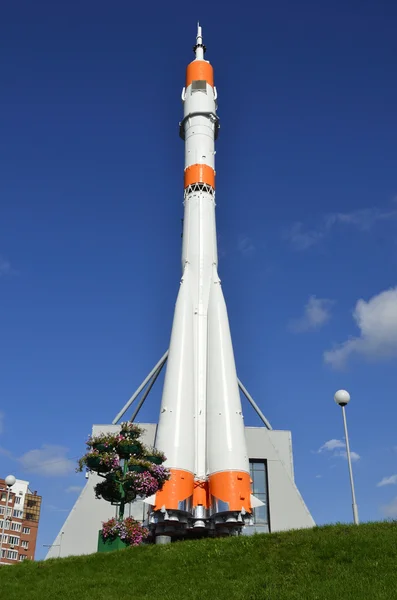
point(10, 481)
point(342, 398)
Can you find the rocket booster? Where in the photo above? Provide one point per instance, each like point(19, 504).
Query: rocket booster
point(201, 428)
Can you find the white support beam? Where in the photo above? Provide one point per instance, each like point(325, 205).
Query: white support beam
point(254, 405)
point(140, 388)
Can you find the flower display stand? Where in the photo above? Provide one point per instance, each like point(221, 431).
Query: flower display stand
point(128, 470)
point(110, 545)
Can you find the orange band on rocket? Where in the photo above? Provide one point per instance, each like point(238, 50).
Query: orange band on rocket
point(199, 174)
point(233, 487)
point(178, 488)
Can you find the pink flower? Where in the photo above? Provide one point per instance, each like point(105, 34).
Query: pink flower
point(129, 530)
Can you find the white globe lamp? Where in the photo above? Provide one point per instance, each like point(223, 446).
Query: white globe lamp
point(10, 480)
point(342, 397)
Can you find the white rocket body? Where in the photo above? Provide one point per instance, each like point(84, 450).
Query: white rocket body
point(201, 427)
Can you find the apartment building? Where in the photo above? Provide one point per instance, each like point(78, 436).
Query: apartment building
point(19, 522)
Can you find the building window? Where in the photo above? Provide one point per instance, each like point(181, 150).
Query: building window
point(16, 526)
point(3, 496)
point(12, 554)
point(13, 540)
point(25, 544)
point(258, 472)
point(30, 517)
point(6, 526)
point(22, 557)
point(18, 500)
point(18, 514)
point(1, 510)
point(26, 530)
point(5, 539)
point(31, 503)
point(3, 554)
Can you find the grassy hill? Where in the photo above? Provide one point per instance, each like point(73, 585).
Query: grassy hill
point(340, 562)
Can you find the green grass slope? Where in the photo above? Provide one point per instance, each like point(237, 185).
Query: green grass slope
point(326, 563)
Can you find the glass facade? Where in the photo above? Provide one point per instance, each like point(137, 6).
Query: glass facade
point(258, 472)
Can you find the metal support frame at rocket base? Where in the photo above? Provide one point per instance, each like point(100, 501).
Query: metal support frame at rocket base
point(201, 427)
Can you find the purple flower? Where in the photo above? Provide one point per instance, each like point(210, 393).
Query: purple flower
point(160, 473)
point(144, 484)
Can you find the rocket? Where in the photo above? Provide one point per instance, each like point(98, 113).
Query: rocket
point(201, 428)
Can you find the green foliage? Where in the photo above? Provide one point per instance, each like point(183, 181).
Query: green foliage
point(154, 452)
point(144, 465)
point(340, 562)
point(99, 461)
point(107, 439)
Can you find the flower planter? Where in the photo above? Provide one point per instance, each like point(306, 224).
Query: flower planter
point(126, 450)
point(94, 462)
point(109, 490)
point(154, 459)
point(137, 468)
point(110, 545)
point(104, 468)
point(100, 446)
point(111, 496)
point(119, 533)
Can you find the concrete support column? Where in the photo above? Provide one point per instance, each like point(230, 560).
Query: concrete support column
point(163, 539)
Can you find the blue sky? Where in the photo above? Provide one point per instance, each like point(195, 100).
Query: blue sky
point(90, 223)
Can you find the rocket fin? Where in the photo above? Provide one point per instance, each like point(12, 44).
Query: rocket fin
point(151, 500)
point(255, 502)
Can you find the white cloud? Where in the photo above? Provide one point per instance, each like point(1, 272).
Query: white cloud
point(377, 322)
point(48, 461)
point(332, 445)
point(74, 489)
point(245, 246)
point(362, 219)
point(390, 510)
point(318, 476)
point(1, 421)
point(338, 449)
point(392, 480)
point(343, 454)
point(5, 267)
point(316, 313)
